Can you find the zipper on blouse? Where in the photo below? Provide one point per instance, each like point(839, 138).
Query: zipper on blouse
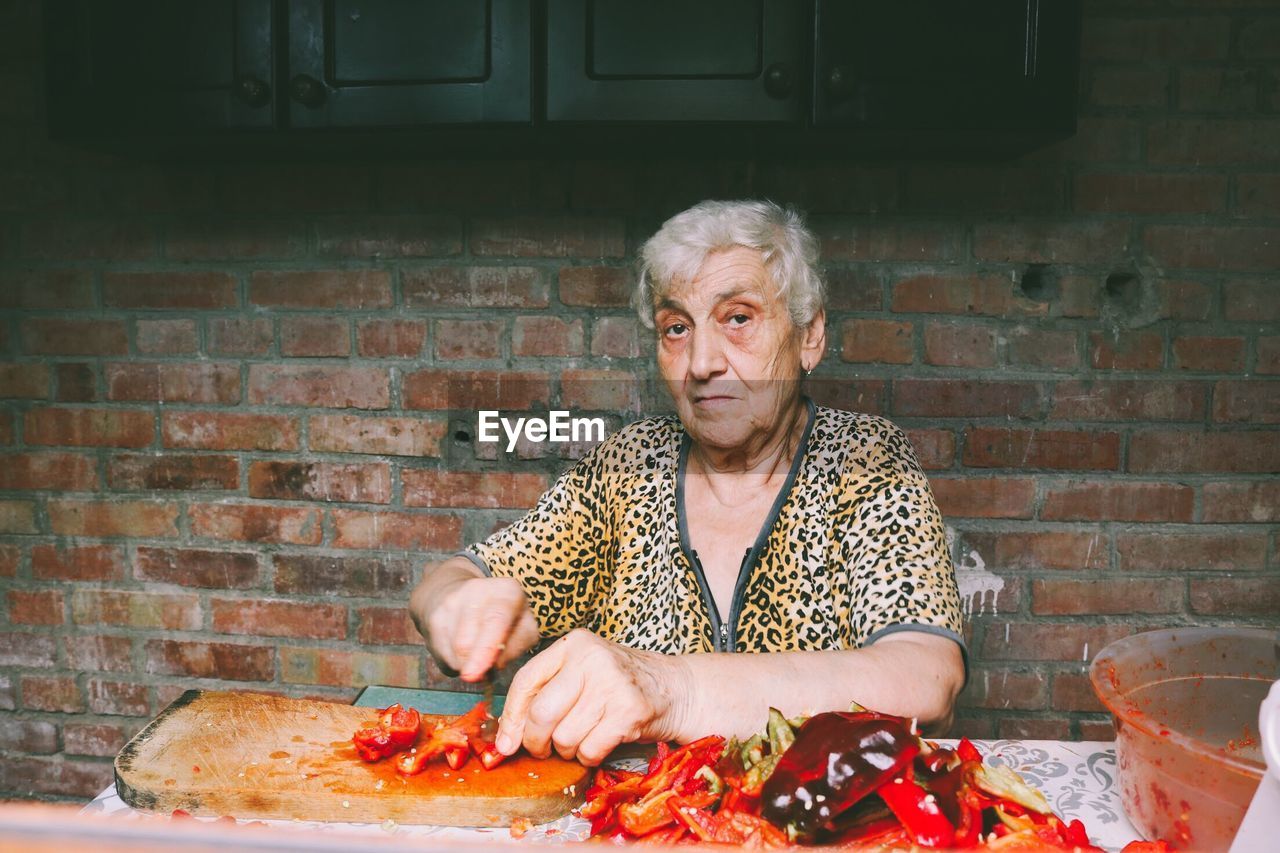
point(735, 605)
point(721, 633)
point(718, 630)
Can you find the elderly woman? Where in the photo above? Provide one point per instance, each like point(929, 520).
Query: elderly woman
point(754, 521)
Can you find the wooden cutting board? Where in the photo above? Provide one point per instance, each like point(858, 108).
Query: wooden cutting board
point(253, 756)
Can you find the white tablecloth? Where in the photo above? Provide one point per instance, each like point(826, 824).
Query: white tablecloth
point(1078, 778)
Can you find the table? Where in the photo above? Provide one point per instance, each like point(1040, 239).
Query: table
point(1078, 779)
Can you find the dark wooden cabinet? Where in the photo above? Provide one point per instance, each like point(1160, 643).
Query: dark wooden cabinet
point(960, 65)
point(159, 66)
point(676, 60)
point(365, 63)
point(832, 78)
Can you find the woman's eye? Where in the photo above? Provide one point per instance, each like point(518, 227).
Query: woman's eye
point(674, 330)
point(739, 319)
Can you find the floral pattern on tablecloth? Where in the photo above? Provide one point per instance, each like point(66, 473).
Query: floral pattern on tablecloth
point(1077, 778)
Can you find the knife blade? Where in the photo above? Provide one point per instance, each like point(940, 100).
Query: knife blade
point(489, 726)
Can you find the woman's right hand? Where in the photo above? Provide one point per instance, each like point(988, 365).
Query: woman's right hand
point(479, 622)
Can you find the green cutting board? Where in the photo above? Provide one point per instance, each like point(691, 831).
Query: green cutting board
point(444, 702)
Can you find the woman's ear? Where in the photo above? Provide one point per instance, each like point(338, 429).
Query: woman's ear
point(813, 340)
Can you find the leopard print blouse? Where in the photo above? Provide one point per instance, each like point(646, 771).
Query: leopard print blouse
point(854, 547)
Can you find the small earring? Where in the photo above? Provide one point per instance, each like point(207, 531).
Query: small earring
point(808, 370)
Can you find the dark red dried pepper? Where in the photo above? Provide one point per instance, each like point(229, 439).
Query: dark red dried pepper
point(837, 759)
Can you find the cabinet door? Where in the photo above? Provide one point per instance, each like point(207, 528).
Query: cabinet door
point(945, 64)
point(408, 62)
point(675, 60)
point(158, 65)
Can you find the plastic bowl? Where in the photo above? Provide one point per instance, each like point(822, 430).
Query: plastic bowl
point(1185, 702)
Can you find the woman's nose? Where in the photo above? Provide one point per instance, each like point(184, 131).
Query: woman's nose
point(706, 354)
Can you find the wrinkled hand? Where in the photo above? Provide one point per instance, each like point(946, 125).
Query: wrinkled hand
point(481, 623)
point(583, 696)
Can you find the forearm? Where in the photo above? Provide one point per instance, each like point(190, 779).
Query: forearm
point(730, 694)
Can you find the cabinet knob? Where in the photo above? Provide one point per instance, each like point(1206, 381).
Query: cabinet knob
point(252, 91)
point(777, 80)
point(841, 83)
point(307, 90)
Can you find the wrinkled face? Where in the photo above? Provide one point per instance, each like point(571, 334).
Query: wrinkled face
point(728, 351)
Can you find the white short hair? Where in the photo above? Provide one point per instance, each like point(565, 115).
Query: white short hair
point(788, 250)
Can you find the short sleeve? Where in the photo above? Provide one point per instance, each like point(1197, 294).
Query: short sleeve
point(902, 576)
point(555, 550)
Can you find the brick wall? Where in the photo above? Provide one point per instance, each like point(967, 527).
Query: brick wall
point(224, 456)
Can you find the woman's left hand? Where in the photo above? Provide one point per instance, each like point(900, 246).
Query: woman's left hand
point(583, 696)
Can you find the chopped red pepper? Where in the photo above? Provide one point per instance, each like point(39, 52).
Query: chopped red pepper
point(676, 768)
point(700, 822)
point(454, 736)
point(372, 744)
point(437, 743)
point(969, 824)
point(944, 798)
point(401, 724)
point(663, 750)
point(666, 835)
point(490, 755)
point(397, 729)
point(919, 812)
point(647, 814)
point(1075, 834)
point(967, 751)
point(456, 756)
point(729, 827)
point(1158, 846)
point(939, 760)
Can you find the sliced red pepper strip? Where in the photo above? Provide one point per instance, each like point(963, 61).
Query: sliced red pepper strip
point(659, 758)
point(700, 822)
point(678, 766)
point(939, 760)
point(1158, 846)
point(607, 777)
point(969, 825)
point(665, 836)
point(602, 800)
point(471, 722)
point(644, 816)
point(605, 821)
point(754, 831)
point(919, 812)
point(967, 751)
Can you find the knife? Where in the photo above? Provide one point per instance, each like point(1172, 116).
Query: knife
point(487, 729)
